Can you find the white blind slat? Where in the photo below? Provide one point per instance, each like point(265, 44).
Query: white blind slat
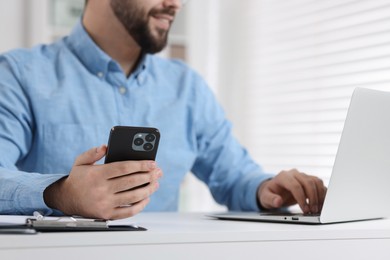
point(295, 17)
point(299, 64)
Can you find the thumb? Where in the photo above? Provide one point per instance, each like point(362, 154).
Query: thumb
point(91, 156)
point(270, 200)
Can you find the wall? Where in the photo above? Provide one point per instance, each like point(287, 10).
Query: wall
point(13, 21)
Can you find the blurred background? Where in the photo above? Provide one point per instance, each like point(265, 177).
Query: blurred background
point(283, 70)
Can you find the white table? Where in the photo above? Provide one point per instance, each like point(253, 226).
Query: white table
point(194, 236)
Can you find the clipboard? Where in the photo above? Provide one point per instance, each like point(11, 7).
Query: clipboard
point(39, 223)
point(74, 225)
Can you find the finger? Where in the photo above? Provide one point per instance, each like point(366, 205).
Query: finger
point(118, 169)
point(126, 212)
point(267, 198)
point(91, 156)
point(131, 181)
point(321, 192)
point(270, 199)
point(133, 196)
point(310, 188)
point(290, 183)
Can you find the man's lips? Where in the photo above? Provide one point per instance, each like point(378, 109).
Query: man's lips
point(167, 17)
point(163, 20)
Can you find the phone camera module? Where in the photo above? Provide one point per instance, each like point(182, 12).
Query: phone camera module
point(138, 141)
point(144, 142)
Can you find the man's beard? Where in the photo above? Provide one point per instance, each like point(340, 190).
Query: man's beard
point(135, 21)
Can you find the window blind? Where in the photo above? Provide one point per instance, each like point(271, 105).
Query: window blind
point(301, 60)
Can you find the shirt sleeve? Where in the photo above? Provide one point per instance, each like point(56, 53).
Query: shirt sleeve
point(20, 192)
point(222, 163)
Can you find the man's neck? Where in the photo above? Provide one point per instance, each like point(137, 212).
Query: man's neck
point(113, 39)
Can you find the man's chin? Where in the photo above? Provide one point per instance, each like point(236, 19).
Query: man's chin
point(158, 44)
point(154, 47)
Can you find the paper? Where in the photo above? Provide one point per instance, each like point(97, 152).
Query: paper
point(17, 219)
point(6, 220)
point(21, 220)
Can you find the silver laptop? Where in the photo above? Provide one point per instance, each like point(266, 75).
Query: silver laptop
point(360, 180)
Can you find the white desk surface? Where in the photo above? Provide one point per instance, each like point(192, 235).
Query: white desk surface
point(195, 236)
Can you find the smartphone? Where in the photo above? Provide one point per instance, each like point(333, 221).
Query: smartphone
point(132, 143)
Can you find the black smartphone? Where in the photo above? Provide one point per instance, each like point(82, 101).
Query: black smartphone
point(132, 143)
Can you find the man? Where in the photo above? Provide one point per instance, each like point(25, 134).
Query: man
point(58, 100)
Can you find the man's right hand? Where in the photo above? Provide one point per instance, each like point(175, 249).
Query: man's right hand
point(105, 191)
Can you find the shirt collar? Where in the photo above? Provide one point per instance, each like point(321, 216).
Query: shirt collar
point(94, 58)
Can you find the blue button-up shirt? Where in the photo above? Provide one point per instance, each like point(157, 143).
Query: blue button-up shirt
point(59, 100)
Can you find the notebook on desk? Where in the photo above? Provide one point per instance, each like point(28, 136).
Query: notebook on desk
point(359, 184)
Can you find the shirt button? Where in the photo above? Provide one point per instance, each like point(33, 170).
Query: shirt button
point(141, 80)
point(100, 74)
point(122, 90)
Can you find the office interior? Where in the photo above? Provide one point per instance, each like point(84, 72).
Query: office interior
point(283, 70)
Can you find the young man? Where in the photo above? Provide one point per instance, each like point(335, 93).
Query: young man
point(58, 100)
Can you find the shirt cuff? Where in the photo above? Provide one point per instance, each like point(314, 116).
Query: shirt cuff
point(251, 194)
point(30, 195)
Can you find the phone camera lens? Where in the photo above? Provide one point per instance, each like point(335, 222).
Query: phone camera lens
point(138, 141)
point(150, 137)
point(148, 146)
